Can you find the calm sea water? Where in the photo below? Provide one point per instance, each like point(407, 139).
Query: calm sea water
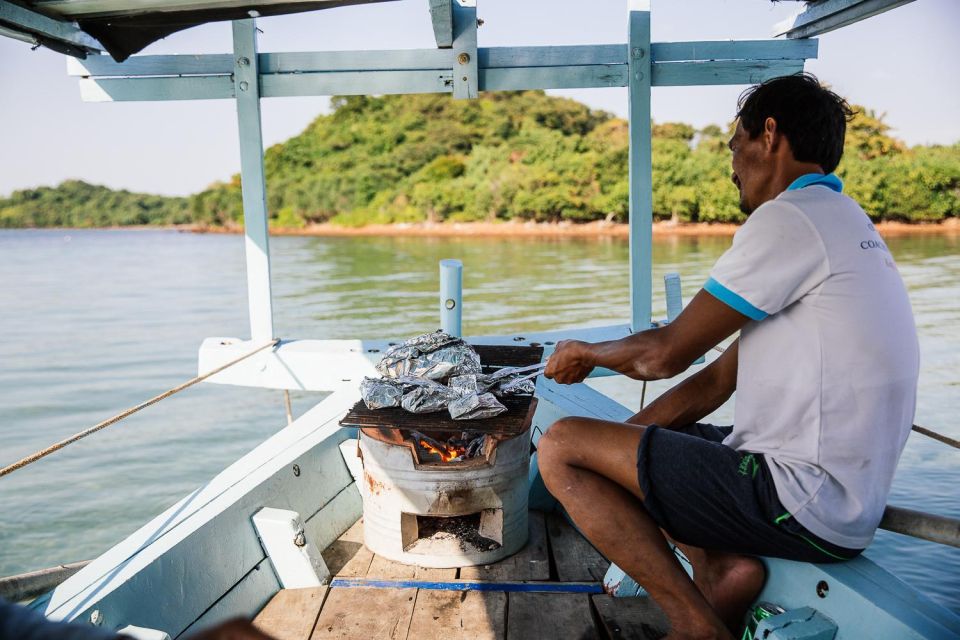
point(93, 322)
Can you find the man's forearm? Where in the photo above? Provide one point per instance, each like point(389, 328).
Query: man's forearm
point(696, 397)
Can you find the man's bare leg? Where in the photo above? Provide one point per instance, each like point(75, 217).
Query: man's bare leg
point(590, 466)
point(730, 582)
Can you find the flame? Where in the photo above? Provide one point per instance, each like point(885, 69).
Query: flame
point(447, 453)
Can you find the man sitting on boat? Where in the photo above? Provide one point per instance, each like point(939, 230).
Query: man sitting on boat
point(825, 370)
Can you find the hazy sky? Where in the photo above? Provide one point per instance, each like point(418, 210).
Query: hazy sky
point(902, 63)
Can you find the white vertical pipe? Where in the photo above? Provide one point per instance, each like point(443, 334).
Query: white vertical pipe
point(672, 291)
point(451, 296)
point(640, 165)
point(247, 88)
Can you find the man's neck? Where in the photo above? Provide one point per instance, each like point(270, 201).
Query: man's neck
point(788, 173)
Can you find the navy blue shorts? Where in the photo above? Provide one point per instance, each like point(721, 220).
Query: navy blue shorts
point(708, 495)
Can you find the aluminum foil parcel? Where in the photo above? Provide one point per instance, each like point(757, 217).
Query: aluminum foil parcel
point(436, 356)
point(475, 407)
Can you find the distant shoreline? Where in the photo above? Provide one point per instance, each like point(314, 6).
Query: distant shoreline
point(950, 226)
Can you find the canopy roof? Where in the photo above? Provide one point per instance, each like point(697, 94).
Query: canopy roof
point(124, 27)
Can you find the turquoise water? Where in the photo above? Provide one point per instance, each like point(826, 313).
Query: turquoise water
point(93, 322)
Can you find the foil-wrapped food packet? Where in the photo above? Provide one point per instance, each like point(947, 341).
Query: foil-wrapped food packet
point(475, 407)
point(516, 387)
point(428, 398)
point(471, 383)
point(436, 356)
point(381, 393)
point(452, 360)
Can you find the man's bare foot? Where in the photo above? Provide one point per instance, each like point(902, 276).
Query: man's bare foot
point(731, 584)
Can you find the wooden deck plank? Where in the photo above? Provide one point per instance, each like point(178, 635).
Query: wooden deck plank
point(573, 555)
point(484, 615)
point(366, 614)
point(459, 615)
point(390, 570)
point(530, 563)
point(631, 618)
point(550, 615)
point(291, 614)
point(437, 575)
point(347, 557)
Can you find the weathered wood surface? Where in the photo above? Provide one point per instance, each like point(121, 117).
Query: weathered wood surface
point(347, 557)
point(292, 613)
point(575, 558)
point(631, 618)
point(550, 615)
point(458, 615)
point(530, 563)
point(366, 614)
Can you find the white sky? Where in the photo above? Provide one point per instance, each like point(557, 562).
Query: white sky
point(902, 63)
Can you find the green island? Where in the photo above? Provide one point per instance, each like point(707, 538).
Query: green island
point(521, 156)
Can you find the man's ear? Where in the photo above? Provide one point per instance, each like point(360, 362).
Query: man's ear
point(771, 135)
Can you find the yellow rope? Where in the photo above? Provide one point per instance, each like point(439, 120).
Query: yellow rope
point(120, 416)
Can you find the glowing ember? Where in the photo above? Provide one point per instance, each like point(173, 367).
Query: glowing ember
point(455, 449)
point(446, 452)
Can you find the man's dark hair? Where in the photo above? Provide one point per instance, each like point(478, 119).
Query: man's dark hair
point(813, 118)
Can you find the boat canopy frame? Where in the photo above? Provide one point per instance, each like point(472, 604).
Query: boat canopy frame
point(459, 67)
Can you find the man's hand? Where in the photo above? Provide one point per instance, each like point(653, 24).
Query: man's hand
point(572, 361)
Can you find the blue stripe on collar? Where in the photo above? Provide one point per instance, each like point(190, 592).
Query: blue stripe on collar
point(830, 180)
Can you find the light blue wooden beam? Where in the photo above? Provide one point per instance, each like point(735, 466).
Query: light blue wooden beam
point(166, 88)
point(432, 71)
point(640, 165)
point(24, 20)
point(424, 59)
point(441, 15)
point(355, 83)
point(733, 50)
point(567, 77)
point(683, 74)
point(829, 15)
point(465, 75)
point(246, 78)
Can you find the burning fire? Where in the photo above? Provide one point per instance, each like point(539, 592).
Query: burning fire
point(468, 445)
point(447, 453)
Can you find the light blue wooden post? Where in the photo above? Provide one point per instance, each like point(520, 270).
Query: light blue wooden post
point(247, 88)
point(465, 74)
point(641, 188)
point(451, 296)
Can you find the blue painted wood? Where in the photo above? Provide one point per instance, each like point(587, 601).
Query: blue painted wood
point(386, 60)
point(470, 585)
point(576, 55)
point(734, 50)
point(433, 59)
point(143, 89)
point(465, 76)
point(518, 78)
point(863, 599)
point(682, 74)
point(352, 83)
point(640, 170)
point(828, 15)
point(253, 179)
point(441, 15)
point(250, 595)
point(21, 19)
point(165, 65)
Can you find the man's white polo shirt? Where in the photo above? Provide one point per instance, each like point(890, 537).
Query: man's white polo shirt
point(828, 367)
